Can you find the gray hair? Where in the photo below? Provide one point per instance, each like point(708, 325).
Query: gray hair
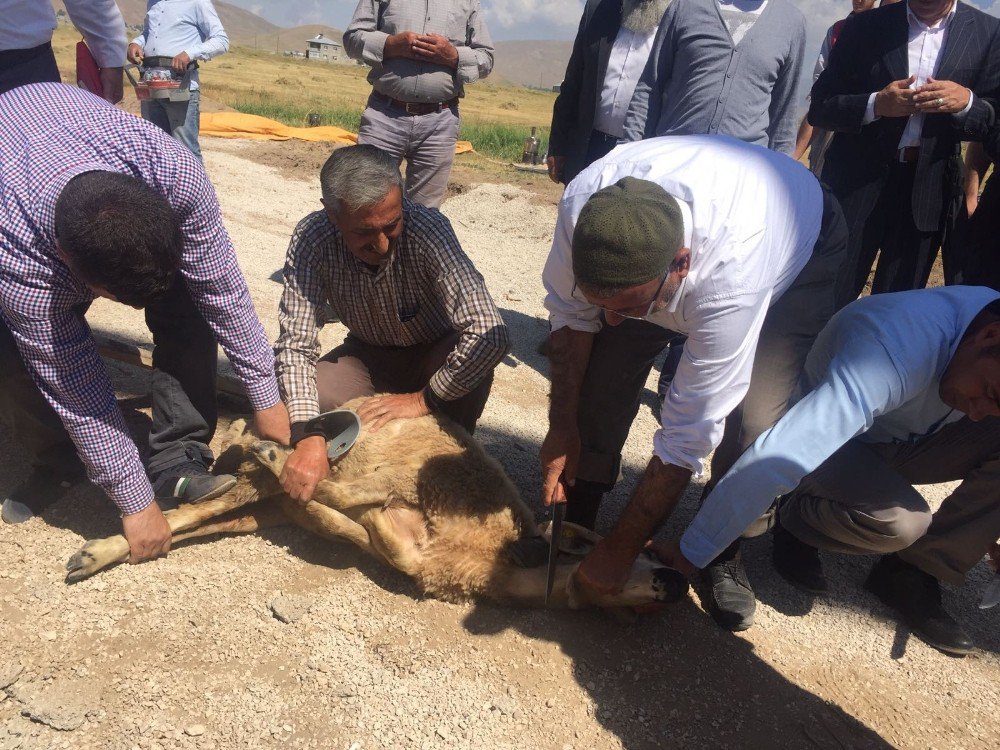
point(356, 177)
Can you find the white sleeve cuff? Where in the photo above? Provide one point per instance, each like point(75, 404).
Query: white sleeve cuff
point(961, 115)
point(870, 110)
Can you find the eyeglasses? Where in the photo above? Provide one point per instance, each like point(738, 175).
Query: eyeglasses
point(649, 308)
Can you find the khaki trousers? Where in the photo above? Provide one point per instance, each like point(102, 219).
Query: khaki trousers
point(356, 369)
point(861, 500)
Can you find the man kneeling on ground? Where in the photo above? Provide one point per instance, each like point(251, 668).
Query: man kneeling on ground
point(421, 324)
point(901, 389)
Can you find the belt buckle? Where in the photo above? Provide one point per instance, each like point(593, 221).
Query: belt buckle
point(411, 108)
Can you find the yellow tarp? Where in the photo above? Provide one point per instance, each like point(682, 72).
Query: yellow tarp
point(255, 127)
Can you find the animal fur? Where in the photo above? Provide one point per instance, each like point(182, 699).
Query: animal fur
point(422, 496)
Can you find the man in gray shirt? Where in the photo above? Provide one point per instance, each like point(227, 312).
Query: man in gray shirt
point(730, 67)
point(421, 54)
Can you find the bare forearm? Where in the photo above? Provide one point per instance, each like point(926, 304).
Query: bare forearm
point(653, 502)
point(803, 138)
point(569, 353)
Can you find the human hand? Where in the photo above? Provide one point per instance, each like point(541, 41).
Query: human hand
point(994, 554)
point(669, 553)
point(896, 99)
point(111, 84)
point(134, 53)
point(559, 455)
point(379, 410)
point(436, 49)
point(273, 424)
point(180, 63)
point(399, 45)
point(556, 164)
point(941, 97)
point(604, 571)
point(147, 533)
point(304, 469)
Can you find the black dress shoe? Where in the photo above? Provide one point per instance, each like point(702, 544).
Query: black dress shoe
point(798, 562)
point(190, 482)
point(916, 596)
point(727, 593)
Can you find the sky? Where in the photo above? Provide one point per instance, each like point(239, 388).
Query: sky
point(539, 19)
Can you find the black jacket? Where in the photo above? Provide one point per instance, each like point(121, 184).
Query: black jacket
point(573, 111)
point(871, 53)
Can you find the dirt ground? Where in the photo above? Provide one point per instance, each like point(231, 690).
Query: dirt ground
point(186, 652)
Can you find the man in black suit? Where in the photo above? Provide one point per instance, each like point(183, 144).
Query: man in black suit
point(905, 85)
point(611, 49)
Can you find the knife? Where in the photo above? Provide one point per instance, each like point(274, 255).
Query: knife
point(558, 514)
point(991, 596)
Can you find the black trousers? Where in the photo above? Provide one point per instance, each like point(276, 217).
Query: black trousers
point(19, 67)
point(905, 253)
point(183, 392)
point(972, 252)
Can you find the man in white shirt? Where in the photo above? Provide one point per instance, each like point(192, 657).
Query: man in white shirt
point(900, 389)
point(588, 117)
point(732, 244)
point(26, 42)
point(905, 85)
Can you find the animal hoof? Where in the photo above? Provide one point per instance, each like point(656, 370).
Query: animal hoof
point(669, 585)
point(81, 565)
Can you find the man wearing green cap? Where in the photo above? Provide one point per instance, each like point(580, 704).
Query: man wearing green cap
point(737, 247)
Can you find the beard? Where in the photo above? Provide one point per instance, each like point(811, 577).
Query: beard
point(642, 16)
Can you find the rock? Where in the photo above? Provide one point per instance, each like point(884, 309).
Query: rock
point(289, 609)
point(195, 730)
point(9, 674)
point(58, 716)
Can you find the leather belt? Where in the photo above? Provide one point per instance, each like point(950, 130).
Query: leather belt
point(415, 108)
point(909, 154)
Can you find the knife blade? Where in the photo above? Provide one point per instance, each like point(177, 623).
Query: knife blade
point(991, 595)
point(558, 514)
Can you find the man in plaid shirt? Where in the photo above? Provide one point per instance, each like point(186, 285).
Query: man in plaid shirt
point(421, 322)
point(95, 202)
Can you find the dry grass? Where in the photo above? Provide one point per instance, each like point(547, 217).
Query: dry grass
point(496, 118)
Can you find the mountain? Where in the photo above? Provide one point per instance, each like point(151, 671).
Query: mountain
point(532, 63)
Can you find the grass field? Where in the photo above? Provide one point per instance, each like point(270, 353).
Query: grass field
point(496, 118)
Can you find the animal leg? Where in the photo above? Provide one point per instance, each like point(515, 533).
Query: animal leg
point(328, 523)
point(396, 531)
point(263, 517)
point(98, 554)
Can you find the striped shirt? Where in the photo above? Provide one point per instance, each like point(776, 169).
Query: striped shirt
point(427, 289)
point(49, 133)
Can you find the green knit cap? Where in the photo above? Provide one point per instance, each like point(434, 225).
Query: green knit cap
point(627, 234)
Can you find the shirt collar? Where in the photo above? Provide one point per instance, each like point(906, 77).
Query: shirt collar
point(942, 24)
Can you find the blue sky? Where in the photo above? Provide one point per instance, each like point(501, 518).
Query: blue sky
point(536, 19)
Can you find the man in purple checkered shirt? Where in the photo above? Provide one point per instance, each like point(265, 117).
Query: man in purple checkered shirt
point(96, 202)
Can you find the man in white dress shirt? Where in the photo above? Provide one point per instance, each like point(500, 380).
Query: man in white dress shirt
point(588, 117)
point(730, 243)
point(26, 42)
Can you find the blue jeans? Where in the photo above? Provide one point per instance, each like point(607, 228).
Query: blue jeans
point(180, 119)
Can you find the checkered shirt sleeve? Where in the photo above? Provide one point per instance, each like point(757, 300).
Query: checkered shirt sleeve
point(48, 134)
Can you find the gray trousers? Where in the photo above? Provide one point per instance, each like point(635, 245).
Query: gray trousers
point(861, 500)
point(180, 119)
point(356, 369)
point(427, 142)
point(622, 356)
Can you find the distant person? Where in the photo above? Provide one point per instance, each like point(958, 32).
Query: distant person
point(588, 117)
point(422, 328)
point(972, 247)
point(94, 202)
point(900, 390)
point(26, 42)
point(421, 56)
point(680, 234)
point(816, 140)
point(720, 66)
point(177, 34)
point(902, 89)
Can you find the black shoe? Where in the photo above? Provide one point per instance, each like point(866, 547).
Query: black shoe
point(189, 482)
point(797, 562)
point(916, 596)
point(728, 596)
point(38, 492)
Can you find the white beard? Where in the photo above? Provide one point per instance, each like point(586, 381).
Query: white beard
point(642, 16)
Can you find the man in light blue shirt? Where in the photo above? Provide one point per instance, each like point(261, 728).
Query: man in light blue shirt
point(176, 34)
point(900, 389)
